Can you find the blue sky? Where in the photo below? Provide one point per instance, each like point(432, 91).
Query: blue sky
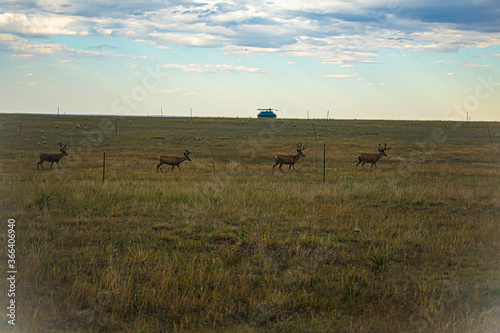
point(424, 60)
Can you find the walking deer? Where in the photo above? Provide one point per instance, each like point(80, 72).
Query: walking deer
point(172, 160)
point(52, 157)
point(372, 158)
point(289, 159)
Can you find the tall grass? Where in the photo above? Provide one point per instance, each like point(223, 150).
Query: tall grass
point(240, 249)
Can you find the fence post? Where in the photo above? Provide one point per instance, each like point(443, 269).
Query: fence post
point(324, 162)
point(103, 166)
point(314, 129)
point(213, 158)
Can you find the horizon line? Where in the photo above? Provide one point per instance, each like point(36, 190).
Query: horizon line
point(227, 117)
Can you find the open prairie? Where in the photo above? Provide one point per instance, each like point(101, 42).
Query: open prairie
point(225, 245)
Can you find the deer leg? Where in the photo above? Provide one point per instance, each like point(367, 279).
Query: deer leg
point(173, 166)
point(293, 166)
point(40, 163)
point(158, 167)
point(51, 163)
point(58, 164)
point(280, 168)
point(358, 163)
point(275, 165)
point(363, 165)
point(178, 167)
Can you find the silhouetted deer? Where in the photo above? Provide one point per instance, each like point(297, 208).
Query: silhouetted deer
point(52, 157)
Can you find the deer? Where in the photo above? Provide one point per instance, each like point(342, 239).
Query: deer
point(372, 158)
point(289, 159)
point(172, 160)
point(52, 157)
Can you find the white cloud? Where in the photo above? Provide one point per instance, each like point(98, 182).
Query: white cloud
point(212, 68)
point(335, 32)
point(19, 56)
point(339, 76)
point(164, 91)
point(43, 24)
point(467, 64)
point(23, 48)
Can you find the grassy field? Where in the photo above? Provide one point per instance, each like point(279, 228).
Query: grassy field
point(225, 245)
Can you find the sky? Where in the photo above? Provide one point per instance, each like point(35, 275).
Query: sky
point(348, 59)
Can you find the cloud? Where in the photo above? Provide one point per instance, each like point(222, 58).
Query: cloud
point(29, 74)
point(450, 74)
point(482, 16)
point(466, 64)
point(102, 47)
point(336, 32)
point(339, 76)
point(32, 83)
point(164, 91)
point(212, 68)
point(19, 56)
point(39, 25)
point(23, 48)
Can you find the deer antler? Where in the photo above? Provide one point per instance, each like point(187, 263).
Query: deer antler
point(63, 147)
point(188, 152)
point(385, 146)
point(300, 147)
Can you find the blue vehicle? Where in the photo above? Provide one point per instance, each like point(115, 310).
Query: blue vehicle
point(266, 113)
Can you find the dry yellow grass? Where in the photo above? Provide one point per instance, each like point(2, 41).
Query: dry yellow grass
point(226, 246)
